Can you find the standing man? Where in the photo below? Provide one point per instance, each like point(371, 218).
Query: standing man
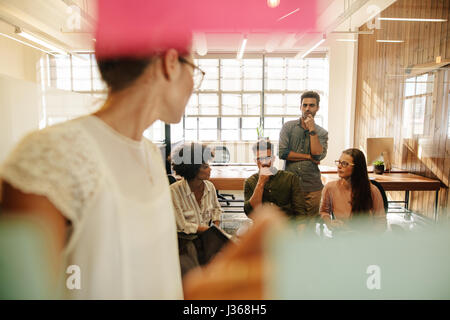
point(303, 144)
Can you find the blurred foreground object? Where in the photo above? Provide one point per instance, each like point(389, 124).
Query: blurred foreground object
point(140, 27)
point(238, 271)
point(360, 265)
point(26, 257)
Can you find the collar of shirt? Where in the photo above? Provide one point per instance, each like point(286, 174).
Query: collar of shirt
point(188, 190)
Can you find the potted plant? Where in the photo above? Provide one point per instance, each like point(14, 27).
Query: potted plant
point(378, 167)
point(260, 132)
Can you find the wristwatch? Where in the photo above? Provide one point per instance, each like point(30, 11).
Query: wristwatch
point(312, 133)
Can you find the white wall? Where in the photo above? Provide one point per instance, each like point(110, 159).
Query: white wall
point(341, 99)
point(20, 103)
point(21, 108)
point(21, 97)
point(17, 60)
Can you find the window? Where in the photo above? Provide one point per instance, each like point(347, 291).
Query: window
point(234, 97)
point(418, 98)
point(77, 73)
point(448, 115)
point(233, 92)
point(287, 78)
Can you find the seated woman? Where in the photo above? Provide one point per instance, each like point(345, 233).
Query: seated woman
point(352, 195)
point(194, 197)
point(194, 200)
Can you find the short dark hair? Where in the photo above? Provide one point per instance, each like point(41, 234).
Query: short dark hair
point(120, 73)
point(185, 159)
point(310, 94)
point(262, 145)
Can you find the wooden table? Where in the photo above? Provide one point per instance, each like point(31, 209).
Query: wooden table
point(232, 177)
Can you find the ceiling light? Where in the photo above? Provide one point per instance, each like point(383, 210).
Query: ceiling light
point(200, 43)
point(273, 3)
point(353, 32)
point(242, 49)
point(26, 43)
point(311, 49)
point(41, 42)
point(390, 41)
point(413, 19)
point(286, 15)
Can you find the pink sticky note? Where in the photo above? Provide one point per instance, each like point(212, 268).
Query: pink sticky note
point(140, 27)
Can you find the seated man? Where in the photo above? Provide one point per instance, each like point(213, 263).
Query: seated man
point(279, 187)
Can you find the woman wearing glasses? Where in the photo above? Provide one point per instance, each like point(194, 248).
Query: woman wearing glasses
point(102, 189)
point(352, 195)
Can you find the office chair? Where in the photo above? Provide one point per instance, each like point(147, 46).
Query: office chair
point(383, 194)
point(222, 155)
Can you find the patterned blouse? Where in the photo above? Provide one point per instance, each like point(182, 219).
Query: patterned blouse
point(188, 213)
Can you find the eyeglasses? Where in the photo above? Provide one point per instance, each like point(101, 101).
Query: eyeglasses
point(264, 158)
point(199, 74)
point(344, 164)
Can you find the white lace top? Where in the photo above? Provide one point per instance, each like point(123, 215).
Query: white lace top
point(115, 192)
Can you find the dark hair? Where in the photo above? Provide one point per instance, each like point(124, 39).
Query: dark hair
point(187, 160)
point(362, 201)
point(310, 94)
point(120, 73)
point(262, 145)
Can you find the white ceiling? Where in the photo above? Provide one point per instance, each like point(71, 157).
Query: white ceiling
point(49, 20)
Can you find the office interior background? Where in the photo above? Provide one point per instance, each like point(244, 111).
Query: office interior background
point(380, 67)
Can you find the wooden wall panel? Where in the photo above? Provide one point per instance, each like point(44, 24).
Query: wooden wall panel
point(382, 71)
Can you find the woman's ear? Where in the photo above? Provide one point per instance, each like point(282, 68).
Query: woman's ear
point(170, 64)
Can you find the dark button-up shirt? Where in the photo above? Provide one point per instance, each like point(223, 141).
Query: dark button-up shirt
point(282, 189)
point(294, 138)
